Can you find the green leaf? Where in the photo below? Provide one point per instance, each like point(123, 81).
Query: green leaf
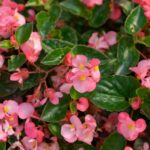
point(54, 129)
point(127, 55)
point(16, 61)
point(2, 146)
point(76, 8)
point(50, 45)
point(144, 40)
point(23, 33)
point(55, 57)
point(112, 93)
point(135, 21)
point(114, 140)
point(144, 94)
point(33, 3)
point(5, 44)
point(68, 34)
point(55, 113)
point(100, 14)
point(30, 82)
point(7, 87)
point(46, 21)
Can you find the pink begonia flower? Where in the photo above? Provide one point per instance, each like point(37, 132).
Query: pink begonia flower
point(13, 5)
point(115, 12)
point(12, 119)
point(68, 59)
point(16, 145)
point(111, 122)
point(32, 48)
point(92, 3)
point(65, 88)
point(80, 81)
point(128, 148)
point(142, 72)
point(20, 75)
point(128, 128)
point(52, 95)
point(94, 68)
point(83, 104)
point(25, 110)
point(136, 103)
point(78, 131)
point(8, 128)
point(3, 135)
point(146, 146)
point(2, 60)
point(79, 62)
point(31, 15)
point(104, 42)
point(29, 143)
point(10, 20)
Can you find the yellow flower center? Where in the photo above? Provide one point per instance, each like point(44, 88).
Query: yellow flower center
point(10, 127)
point(81, 66)
point(72, 126)
point(96, 68)
point(33, 144)
point(11, 118)
point(131, 126)
point(6, 109)
point(83, 77)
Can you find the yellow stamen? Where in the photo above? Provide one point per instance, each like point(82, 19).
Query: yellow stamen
point(10, 127)
point(96, 68)
point(11, 118)
point(33, 144)
point(82, 78)
point(81, 66)
point(131, 126)
point(72, 126)
point(6, 109)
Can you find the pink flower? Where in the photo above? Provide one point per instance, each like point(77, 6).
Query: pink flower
point(142, 72)
point(78, 131)
point(3, 135)
point(146, 146)
point(92, 3)
point(31, 15)
point(115, 12)
point(128, 148)
point(82, 104)
point(29, 143)
point(19, 76)
point(52, 95)
point(65, 88)
point(2, 59)
point(128, 128)
point(80, 81)
point(68, 59)
point(94, 68)
point(10, 20)
point(8, 128)
point(104, 42)
point(32, 48)
point(25, 110)
point(136, 103)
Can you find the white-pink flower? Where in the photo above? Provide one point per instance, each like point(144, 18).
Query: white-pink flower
point(92, 3)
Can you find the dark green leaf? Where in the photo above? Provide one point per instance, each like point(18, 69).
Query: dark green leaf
point(55, 113)
point(7, 87)
point(54, 129)
point(127, 55)
point(76, 7)
point(144, 40)
point(114, 140)
point(100, 14)
point(2, 146)
point(55, 57)
point(113, 93)
point(135, 21)
point(16, 61)
point(23, 33)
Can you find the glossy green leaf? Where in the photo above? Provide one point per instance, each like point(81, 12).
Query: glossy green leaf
point(144, 94)
point(55, 113)
point(135, 21)
point(50, 45)
point(112, 93)
point(23, 33)
point(55, 57)
point(114, 140)
point(76, 7)
point(54, 129)
point(5, 44)
point(16, 61)
point(46, 21)
point(144, 40)
point(7, 87)
point(100, 14)
point(2, 146)
point(127, 55)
